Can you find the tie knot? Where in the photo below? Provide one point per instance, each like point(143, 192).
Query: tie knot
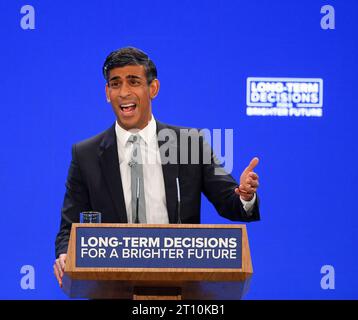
point(133, 138)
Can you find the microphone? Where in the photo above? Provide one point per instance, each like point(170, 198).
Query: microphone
point(132, 163)
point(178, 201)
point(137, 202)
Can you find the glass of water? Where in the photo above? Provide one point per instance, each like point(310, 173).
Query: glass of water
point(90, 217)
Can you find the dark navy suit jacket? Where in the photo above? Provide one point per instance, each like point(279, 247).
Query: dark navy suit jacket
point(94, 184)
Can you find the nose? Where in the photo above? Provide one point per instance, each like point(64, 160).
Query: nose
point(124, 91)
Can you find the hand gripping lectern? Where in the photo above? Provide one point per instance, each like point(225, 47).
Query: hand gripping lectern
point(152, 262)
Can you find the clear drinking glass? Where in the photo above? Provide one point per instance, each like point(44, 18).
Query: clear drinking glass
point(90, 217)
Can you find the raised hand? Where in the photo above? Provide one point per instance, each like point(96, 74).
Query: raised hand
point(249, 181)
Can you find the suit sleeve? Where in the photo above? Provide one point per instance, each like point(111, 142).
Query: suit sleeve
point(219, 188)
point(75, 201)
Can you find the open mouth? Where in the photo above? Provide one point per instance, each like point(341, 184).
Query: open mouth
point(128, 108)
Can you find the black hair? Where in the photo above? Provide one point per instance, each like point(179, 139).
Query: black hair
point(130, 56)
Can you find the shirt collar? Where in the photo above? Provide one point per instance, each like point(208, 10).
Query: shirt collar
point(147, 133)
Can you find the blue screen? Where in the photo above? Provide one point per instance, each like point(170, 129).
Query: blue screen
point(52, 96)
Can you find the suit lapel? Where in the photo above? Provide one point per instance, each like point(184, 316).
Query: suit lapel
point(170, 173)
point(108, 156)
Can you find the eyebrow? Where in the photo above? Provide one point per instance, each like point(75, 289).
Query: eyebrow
point(130, 76)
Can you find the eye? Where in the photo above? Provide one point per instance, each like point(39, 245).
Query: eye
point(134, 82)
point(114, 84)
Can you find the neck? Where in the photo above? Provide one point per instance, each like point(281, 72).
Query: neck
point(141, 127)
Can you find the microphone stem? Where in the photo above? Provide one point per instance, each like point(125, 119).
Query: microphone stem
point(178, 201)
point(137, 203)
point(179, 220)
point(136, 211)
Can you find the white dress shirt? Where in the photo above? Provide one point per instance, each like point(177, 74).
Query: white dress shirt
point(154, 189)
point(248, 205)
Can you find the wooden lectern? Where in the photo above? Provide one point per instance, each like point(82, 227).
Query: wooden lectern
point(158, 283)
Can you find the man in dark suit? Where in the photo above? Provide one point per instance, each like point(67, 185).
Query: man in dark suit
point(100, 176)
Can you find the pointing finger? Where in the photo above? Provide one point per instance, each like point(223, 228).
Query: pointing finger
point(254, 162)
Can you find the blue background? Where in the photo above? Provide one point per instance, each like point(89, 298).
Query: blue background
point(52, 95)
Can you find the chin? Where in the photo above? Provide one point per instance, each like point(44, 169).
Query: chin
point(129, 124)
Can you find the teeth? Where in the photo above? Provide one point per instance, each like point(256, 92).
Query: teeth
point(127, 105)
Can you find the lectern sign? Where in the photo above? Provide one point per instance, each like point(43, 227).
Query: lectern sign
point(154, 247)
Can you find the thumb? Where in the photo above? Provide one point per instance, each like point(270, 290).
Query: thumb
point(254, 162)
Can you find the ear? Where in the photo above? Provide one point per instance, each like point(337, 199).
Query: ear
point(154, 88)
point(107, 93)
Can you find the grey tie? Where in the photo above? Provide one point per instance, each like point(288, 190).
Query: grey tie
point(136, 165)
